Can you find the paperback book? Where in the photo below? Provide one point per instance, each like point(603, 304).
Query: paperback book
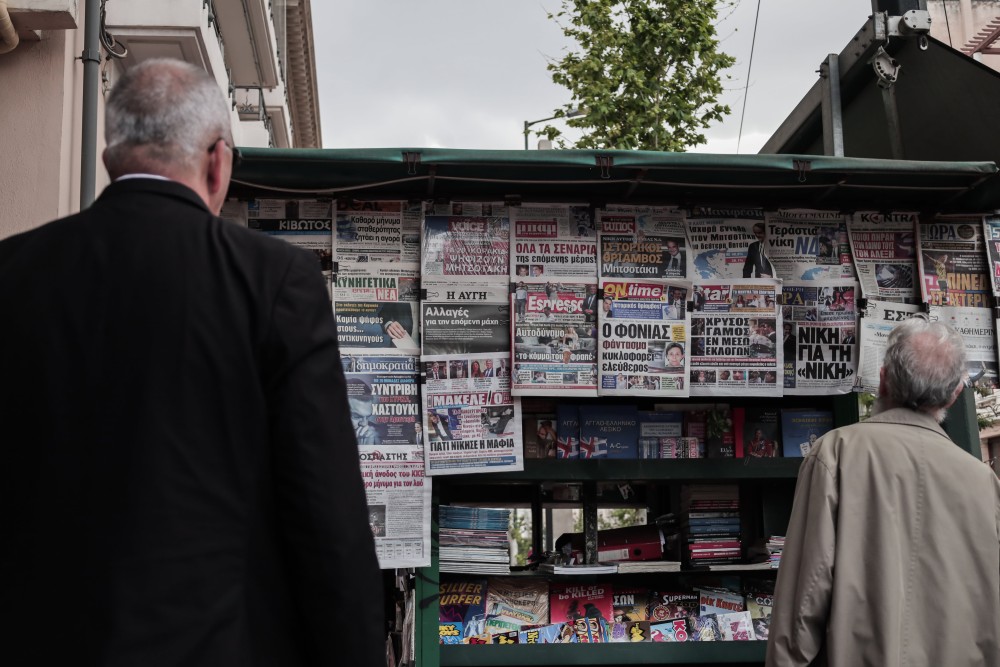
point(567, 431)
point(801, 428)
point(756, 432)
point(610, 431)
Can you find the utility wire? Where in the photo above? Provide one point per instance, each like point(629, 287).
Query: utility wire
point(746, 90)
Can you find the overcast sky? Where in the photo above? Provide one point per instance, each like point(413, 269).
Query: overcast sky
point(468, 73)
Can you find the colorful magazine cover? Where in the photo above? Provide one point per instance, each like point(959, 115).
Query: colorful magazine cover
point(629, 631)
point(736, 626)
point(512, 603)
point(719, 601)
point(669, 631)
point(630, 603)
point(462, 609)
point(570, 602)
point(556, 633)
point(668, 605)
point(703, 628)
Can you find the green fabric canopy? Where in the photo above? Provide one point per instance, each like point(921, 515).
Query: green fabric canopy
point(601, 177)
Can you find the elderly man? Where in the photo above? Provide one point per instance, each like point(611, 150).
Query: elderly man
point(180, 483)
point(893, 547)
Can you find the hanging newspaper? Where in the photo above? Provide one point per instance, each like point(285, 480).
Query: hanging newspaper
point(553, 241)
point(884, 252)
point(473, 423)
point(555, 341)
point(465, 249)
point(734, 335)
point(399, 504)
point(728, 244)
point(642, 338)
point(306, 223)
point(991, 229)
point(647, 243)
point(376, 287)
point(809, 245)
point(819, 344)
point(383, 396)
point(952, 260)
point(477, 208)
point(878, 319)
point(977, 328)
point(235, 210)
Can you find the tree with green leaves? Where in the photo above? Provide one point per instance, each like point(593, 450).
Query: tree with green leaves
point(647, 73)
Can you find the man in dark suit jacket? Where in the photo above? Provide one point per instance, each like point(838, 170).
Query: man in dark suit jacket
point(757, 265)
point(180, 481)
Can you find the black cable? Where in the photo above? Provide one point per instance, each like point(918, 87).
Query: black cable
point(114, 48)
point(746, 90)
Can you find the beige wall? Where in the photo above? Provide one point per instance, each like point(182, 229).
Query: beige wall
point(31, 110)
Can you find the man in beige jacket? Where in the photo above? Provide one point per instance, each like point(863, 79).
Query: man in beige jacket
point(893, 547)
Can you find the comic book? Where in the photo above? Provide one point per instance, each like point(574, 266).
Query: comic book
point(556, 633)
point(629, 631)
point(736, 626)
point(462, 609)
point(630, 603)
point(569, 602)
point(800, 428)
point(761, 628)
point(669, 631)
point(719, 601)
point(510, 637)
point(514, 602)
point(703, 628)
point(667, 605)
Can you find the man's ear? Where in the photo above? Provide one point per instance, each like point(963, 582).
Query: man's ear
point(882, 391)
point(218, 172)
point(955, 394)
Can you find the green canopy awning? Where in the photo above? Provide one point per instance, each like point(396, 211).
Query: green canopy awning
point(601, 177)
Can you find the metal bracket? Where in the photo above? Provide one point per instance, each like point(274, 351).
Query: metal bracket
point(605, 163)
point(412, 159)
point(886, 68)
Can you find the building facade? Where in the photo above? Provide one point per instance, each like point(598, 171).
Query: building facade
point(260, 52)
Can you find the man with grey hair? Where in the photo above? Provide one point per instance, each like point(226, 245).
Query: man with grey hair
point(180, 483)
point(892, 555)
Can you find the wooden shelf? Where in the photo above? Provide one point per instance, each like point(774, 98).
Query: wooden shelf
point(715, 470)
point(704, 653)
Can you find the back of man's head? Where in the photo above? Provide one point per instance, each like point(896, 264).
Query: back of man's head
point(161, 117)
point(924, 366)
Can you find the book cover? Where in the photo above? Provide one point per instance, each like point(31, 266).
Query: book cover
point(801, 428)
point(719, 436)
point(570, 602)
point(736, 626)
point(591, 630)
point(667, 605)
point(719, 601)
point(703, 628)
point(609, 431)
point(510, 637)
point(567, 431)
point(629, 603)
point(556, 633)
point(514, 602)
point(756, 431)
point(761, 627)
point(542, 432)
point(654, 426)
point(462, 609)
point(674, 630)
point(629, 631)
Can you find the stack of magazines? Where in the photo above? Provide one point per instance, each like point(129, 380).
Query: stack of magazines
point(775, 545)
point(474, 540)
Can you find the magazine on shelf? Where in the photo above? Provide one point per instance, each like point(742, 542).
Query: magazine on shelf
point(801, 428)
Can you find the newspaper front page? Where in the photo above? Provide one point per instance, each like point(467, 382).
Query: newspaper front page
point(399, 503)
point(643, 338)
point(553, 241)
point(978, 329)
point(952, 261)
point(734, 338)
point(305, 223)
point(884, 249)
point(809, 245)
point(473, 423)
point(642, 242)
point(728, 244)
point(555, 339)
point(819, 336)
point(877, 321)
